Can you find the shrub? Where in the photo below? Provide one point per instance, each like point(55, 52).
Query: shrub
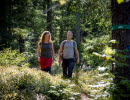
point(29, 84)
point(96, 44)
point(10, 57)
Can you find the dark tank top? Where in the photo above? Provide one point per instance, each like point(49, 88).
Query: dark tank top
point(46, 50)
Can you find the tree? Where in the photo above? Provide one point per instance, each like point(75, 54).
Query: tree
point(49, 15)
point(121, 33)
point(4, 24)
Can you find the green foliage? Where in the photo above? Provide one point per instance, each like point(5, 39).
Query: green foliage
point(62, 2)
point(29, 20)
point(10, 57)
point(25, 83)
point(20, 32)
point(92, 47)
point(95, 84)
point(120, 1)
point(121, 90)
point(63, 91)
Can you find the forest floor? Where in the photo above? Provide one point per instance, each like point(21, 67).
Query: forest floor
point(84, 97)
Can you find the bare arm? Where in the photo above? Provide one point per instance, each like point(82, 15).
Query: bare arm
point(53, 52)
point(77, 55)
point(59, 53)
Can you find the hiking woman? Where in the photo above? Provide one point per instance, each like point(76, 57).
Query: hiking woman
point(45, 51)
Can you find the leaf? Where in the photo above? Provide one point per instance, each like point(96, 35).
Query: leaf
point(97, 54)
point(120, 1)
point(113, 41)
point(108, 50)
point(62, 2)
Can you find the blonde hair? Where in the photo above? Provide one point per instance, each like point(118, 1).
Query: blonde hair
point(42, 38)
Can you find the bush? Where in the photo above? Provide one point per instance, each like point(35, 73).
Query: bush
point(29, 84)
point(10, 57)
point(96, 44)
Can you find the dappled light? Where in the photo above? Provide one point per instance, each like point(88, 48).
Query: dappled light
point(65, 50)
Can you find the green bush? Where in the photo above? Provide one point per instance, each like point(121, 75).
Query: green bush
point(28, 84)
point(96, 44)
point(10, 57)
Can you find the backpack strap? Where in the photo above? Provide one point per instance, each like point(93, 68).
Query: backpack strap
point(74, 44)
point(63, 44)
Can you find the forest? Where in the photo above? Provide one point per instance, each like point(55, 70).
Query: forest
point(101, 29)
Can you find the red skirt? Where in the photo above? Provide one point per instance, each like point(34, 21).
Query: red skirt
point(45, 62)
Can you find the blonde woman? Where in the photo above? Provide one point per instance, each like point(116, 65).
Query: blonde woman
point(45, 51)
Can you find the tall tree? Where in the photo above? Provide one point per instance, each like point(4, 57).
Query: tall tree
point(49, 15)
point(121, 33)
point(4, 26)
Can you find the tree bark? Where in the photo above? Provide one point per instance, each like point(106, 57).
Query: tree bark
point(3, 24)
point(121, 15)
point(49, 15)
point(121, 69)
point(21, 44)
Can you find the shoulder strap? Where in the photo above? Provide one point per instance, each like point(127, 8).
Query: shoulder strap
point(73, 43)
point(74, 49)
point(63, 44)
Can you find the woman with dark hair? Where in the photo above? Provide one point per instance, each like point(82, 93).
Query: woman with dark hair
point(45, 51)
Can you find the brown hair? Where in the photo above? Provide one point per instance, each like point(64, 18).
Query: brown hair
point(42, 38)
point(70, 32)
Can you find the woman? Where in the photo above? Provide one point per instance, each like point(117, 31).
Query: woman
point(45, 51)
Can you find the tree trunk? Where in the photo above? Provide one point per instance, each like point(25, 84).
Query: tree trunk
point(121, 69)
point(21, 44)
point(49, 15)
point(3, 24)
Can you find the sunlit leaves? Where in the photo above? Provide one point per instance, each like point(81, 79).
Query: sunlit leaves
point(109, 50)
point(10, 57)
point(30, 83)
point(120, 1)
point(62, 2)
point(21, 32)
point(113, 41)
point(97, 54)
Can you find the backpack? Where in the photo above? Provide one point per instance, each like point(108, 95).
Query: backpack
point(63, 48)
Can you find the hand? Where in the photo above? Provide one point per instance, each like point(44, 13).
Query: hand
point(59, 61)
point(53, 60)
point(38, 59)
